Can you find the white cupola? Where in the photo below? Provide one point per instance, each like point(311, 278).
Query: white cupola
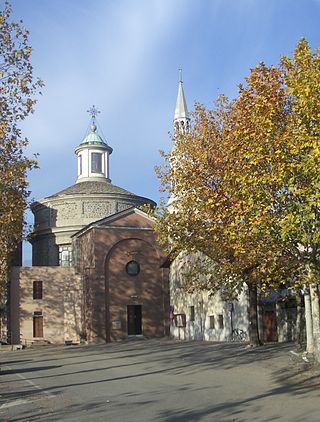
point(93, 155)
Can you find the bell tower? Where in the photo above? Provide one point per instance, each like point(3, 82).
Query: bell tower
point(181, 122)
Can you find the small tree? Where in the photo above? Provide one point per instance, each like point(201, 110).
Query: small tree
point(17, 90)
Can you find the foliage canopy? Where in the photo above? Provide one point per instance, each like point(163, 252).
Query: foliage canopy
point(245, 179)
point(17, 90)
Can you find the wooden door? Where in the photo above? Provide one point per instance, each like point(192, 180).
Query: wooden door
point(269, 324)
point(38, 326)
point(134, 319)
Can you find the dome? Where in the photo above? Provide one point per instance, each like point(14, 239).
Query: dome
point(92, 187)
point(93, 138)
point(61, 215)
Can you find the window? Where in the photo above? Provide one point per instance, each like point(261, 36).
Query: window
point(65, 259)
point(133, 268)
point(96, 162)
point(191, 313)
point(37, 324)
point(211, 319)
point(80, 165)
point(220, 320)
point(37, 289)
point(180, 320)
point(65, 256)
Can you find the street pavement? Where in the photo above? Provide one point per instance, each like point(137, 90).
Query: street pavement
point(157, 380)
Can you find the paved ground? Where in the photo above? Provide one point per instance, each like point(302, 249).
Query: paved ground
point(156, 381)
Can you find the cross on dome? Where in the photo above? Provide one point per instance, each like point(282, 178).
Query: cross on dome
point(93, 111)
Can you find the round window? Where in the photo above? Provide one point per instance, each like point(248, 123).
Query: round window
point(133, 268)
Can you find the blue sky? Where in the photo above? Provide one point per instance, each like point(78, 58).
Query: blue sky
point(124, 55)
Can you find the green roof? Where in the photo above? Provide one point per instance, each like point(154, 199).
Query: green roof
point(93, 138)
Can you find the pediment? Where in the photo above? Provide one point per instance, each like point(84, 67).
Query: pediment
point(129, 218)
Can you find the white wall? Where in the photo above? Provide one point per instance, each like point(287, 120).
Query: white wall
point(205, 306)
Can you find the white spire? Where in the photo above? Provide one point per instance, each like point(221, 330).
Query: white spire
point(181, 114)
point(181, 126)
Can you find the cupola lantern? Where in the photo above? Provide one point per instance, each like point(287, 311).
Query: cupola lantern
point(93, 154)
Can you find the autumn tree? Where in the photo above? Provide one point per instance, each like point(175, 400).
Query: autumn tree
point(277, 171)
point(300, 225)
point(209, 213)
point(17, 90)
point(246, 180)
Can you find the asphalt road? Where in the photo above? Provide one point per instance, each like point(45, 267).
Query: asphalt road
point(156, 381)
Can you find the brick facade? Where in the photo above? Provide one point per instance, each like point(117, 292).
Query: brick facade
point(60, 306)
point(105, 249)
point(96, 299)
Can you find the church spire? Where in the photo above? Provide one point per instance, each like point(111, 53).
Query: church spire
point(181, 114)
point(181, 126)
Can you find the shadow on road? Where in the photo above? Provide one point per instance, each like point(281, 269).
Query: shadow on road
point(152, 358)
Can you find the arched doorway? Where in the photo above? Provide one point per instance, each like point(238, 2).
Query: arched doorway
point(136, 293)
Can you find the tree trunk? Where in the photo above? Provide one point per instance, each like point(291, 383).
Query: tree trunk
point(299, 327)
point(308, 316)
point(315, 320)
point(253, 316)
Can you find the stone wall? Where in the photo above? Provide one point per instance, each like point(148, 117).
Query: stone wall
point(210, 317)
point(207, 317)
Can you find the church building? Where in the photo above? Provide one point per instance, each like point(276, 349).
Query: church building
point(96, 270)
point(98, 274)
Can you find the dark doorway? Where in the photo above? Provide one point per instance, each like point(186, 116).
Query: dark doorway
point(134, 318)
point(269, 323)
